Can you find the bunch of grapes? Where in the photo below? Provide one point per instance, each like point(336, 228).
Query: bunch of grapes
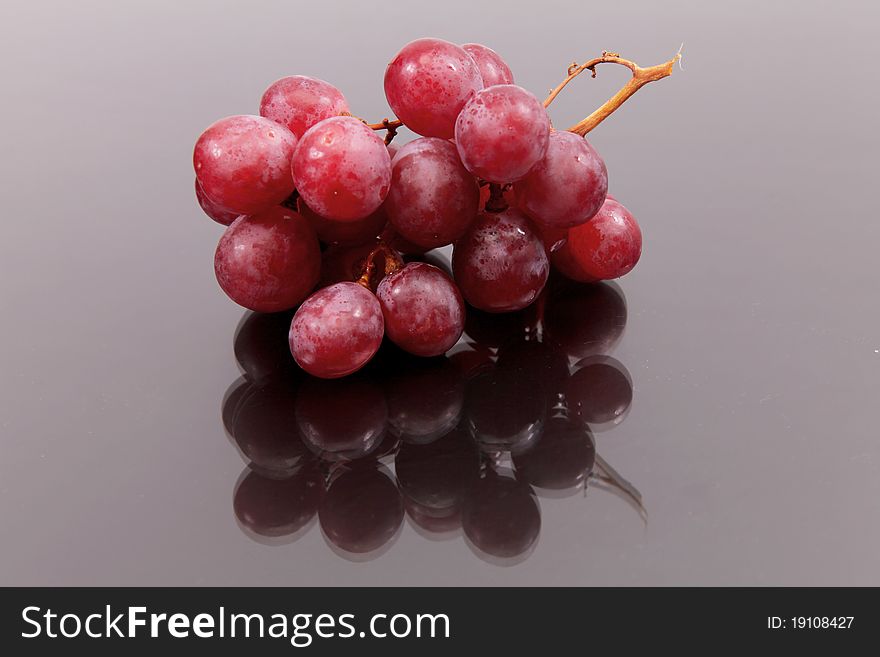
point(320, 210)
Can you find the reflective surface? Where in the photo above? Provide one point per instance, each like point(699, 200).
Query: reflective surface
point(717, 426)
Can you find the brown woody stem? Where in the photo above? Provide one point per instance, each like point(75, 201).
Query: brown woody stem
point(640, 77)
point(391, 262)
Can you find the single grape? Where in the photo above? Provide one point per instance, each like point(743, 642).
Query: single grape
point(424, 312)
point(243, 163)
point(342, 169)
point(567, 186)
point(269, 261)
point(500, 264)
point(501, 133)
point(337, 330)
point(608, 246)
point(219, 214)
point(361, 511)
point(428, 82)
point(493, 69)
point(345, 233)
point(433, 199)
point(299, 102)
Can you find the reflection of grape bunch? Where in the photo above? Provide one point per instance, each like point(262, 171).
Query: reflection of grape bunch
point(461, 445)
point(320, 210)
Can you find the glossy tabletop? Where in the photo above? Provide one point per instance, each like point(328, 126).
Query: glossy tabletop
point(711, 418)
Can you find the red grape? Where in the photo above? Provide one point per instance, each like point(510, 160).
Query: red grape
point(243, 163)
point(500, 264)
point(345, 233)
point(428, 83)
point(433, 198)
point(567, 186)
point(342, 169)
point(493, 69)
point(337, 330)
point(269, 261)
point(299, 102)
point(608, 246)
point(501, 133)
point(219, 214)
point(424, 312)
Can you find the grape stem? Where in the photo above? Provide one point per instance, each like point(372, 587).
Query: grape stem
point(391, 125)
point(640, 77)
point(391, 262)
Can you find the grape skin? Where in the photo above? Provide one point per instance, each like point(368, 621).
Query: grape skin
point(567, 186)
point(243, 163)
point(501, 133)
point(606, 247)
point(493, 69)
point(428, 83)
point(213, 210)
point(298, 102)
point(345, 233)
point(423, 309)
point(500, 264)
point(268, 262)
point(433, 198)
point(342, 169)
point(337, 330)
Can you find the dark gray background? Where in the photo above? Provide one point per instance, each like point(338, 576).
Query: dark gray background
point(753, 337)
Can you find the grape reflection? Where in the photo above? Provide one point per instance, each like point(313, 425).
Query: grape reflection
point(455, 448)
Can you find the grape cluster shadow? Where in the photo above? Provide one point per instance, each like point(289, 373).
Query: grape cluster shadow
point(459, 447)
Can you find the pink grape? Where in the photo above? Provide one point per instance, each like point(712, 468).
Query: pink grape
point(606, 247)
point(269, 261)
point(217, 213)
point(424, 311)
point(493, 69)
point(342, 169)
point(337, 330)
point(567, 186)
point(428, 83)
point(345, 233)
point(500, 264)
point(243, 163)
point(433, 198)
point(299, 102)
point(501, 133)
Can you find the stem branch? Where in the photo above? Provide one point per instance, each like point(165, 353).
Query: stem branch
point(640, 77)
